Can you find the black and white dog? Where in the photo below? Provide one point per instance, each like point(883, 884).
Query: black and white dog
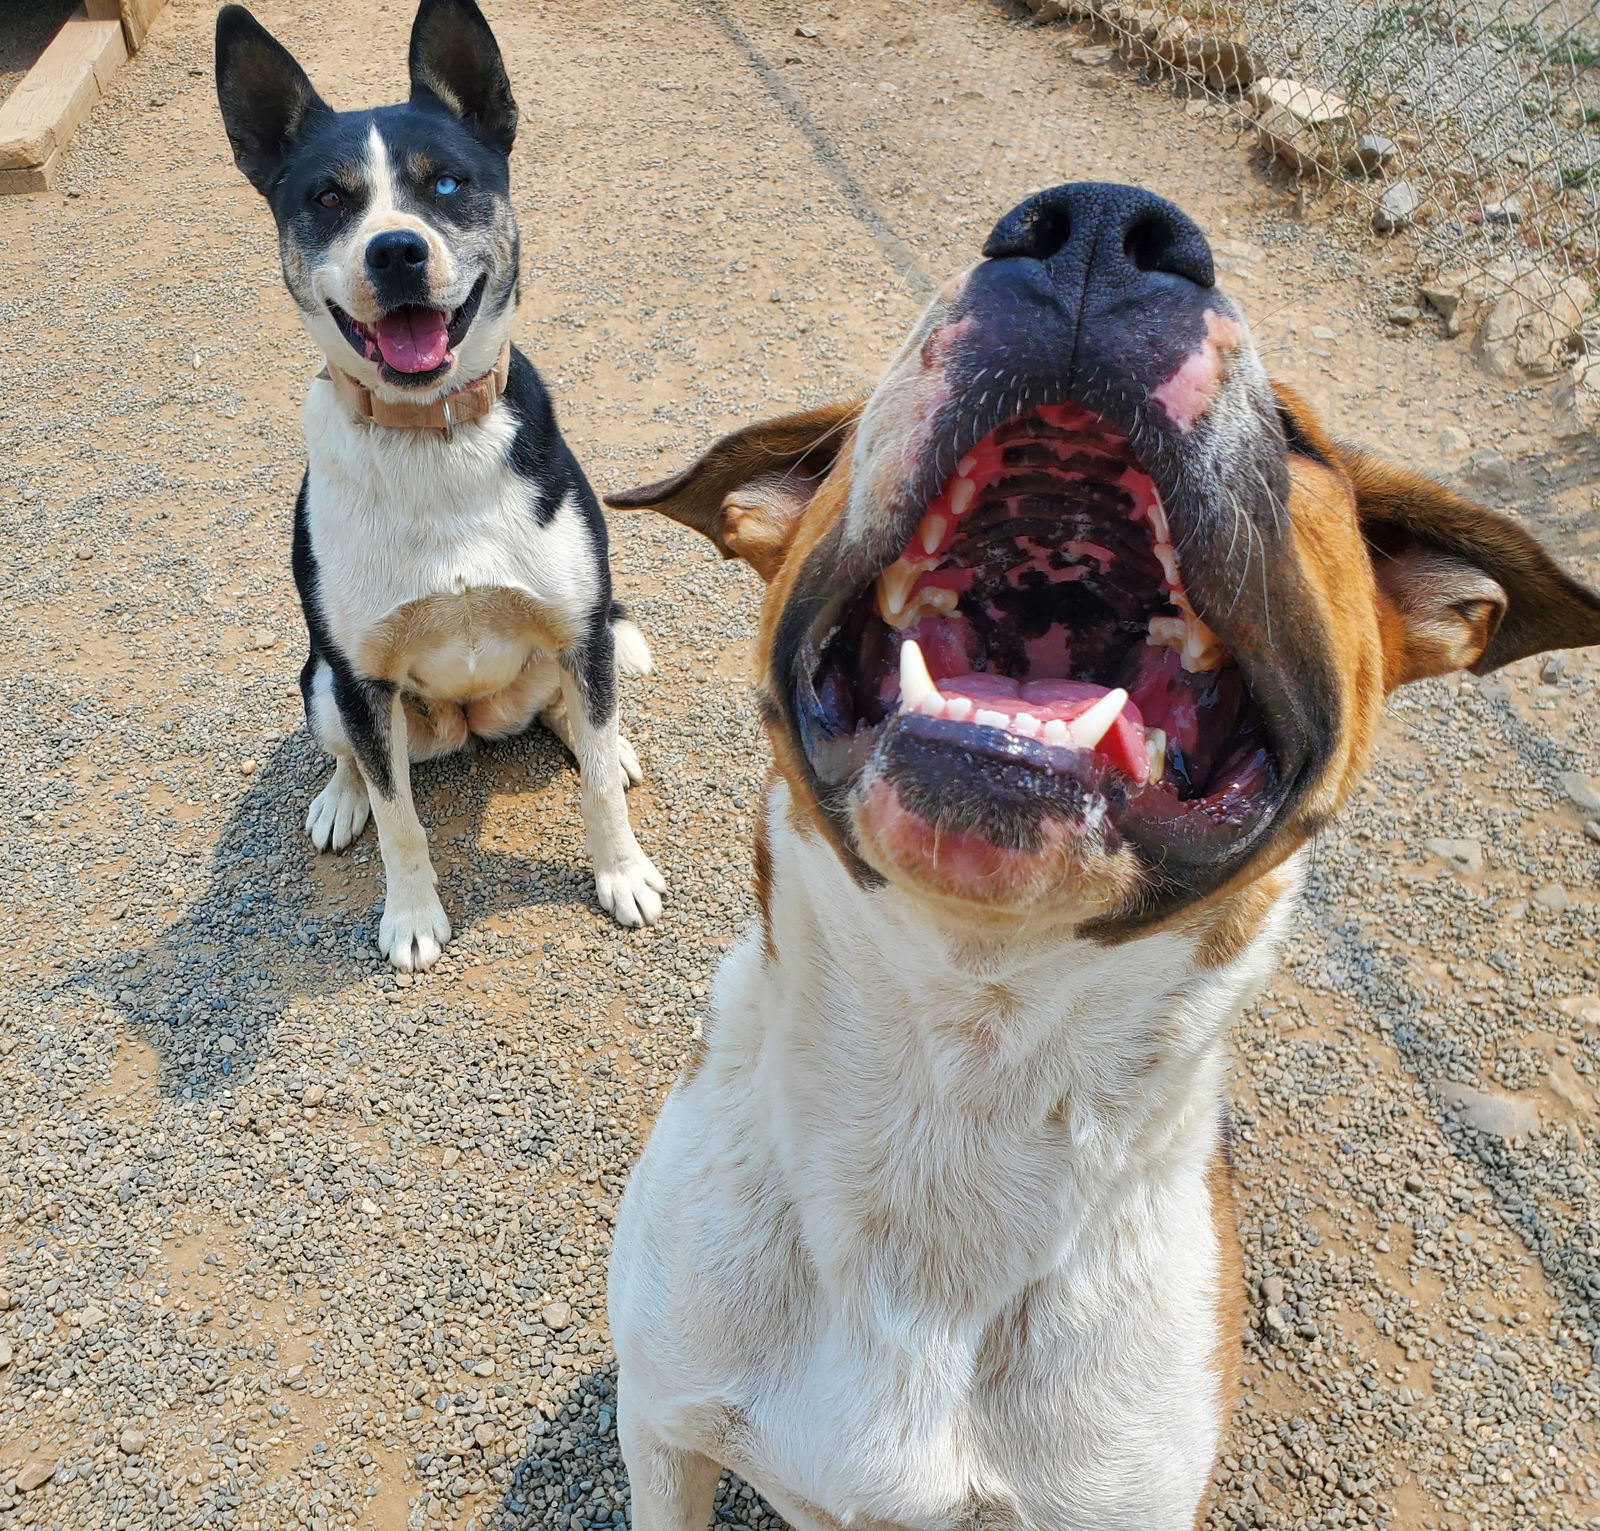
point(449, 553)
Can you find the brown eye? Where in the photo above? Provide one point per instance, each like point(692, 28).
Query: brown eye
point(331, 199)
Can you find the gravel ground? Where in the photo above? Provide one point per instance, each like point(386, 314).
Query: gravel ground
point(289, 1241)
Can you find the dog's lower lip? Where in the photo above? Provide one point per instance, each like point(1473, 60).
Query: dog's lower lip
point(362, 339)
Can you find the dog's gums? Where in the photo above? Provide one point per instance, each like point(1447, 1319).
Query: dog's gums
point(412, 339)
point(1037, 621)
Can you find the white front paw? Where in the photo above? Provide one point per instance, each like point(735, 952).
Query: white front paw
point(339, 812)
point(632, 771)
point(414, 930)
point(631, 893)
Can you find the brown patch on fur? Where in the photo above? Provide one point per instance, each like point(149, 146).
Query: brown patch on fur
point(1228, 1358)
point(1228, 926)
point(438, 621)
point(763, 871)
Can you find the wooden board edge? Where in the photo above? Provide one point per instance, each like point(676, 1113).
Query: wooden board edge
point(71, 74)
point(138, 16)
point(32, 178)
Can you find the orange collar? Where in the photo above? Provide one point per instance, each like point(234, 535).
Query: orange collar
point(470, 402)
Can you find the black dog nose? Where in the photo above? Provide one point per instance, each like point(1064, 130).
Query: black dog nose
point(396, 251)
point(1110, 235)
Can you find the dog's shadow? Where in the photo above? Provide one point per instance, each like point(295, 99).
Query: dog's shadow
point(560, 1481)
point(277, 923)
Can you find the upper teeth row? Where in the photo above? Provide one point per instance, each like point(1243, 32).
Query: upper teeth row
point(918, 693)
point(1198, 647)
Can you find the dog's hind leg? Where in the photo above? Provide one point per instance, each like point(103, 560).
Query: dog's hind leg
point(414, 927)
point(339, 812)
point(628, 885)
point(672, 1489)
point(556, 720)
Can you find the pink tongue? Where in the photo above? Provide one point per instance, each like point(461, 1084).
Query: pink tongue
point(413, 339)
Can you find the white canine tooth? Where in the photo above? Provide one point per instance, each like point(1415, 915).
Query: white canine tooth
point(917, 690)
point(1155, 746)
point(958, 708)
point(1089, 728)
point(966, 465)
point(1026, 724)
point(939, 598)
point(933, 529)
point(961, 493)
point(984, 718)
point(1055, 732)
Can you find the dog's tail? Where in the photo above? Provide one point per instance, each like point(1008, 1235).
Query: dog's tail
point(633, 653)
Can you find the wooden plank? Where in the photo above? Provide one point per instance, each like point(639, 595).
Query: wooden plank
point(103, 10)
point(137, 16)
point(33, 178)
point(38, 117)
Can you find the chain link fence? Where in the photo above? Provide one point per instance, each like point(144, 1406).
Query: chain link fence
point(1471, 129)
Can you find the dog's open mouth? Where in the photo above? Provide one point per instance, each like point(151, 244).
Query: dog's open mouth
point(1033, 653)
point(412, 341)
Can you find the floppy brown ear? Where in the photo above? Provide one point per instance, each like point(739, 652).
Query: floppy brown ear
point(748, 492)
point(1466, 589)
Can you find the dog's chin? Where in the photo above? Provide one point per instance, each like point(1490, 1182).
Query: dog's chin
point(1060, 870)
point(414, 348)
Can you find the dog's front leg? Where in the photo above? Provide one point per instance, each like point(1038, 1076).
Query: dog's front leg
point(628, 885)
point(414, 926)
point(671, 1489)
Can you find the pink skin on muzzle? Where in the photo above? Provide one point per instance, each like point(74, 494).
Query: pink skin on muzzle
point(1187, 394)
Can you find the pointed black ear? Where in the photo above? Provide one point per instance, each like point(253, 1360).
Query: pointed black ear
point(265, 97)
point(456, 61)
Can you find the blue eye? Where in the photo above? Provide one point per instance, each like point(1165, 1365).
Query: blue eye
point(445, 185)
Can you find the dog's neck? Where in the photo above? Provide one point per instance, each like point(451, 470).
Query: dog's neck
point(461, 405)
point(960, 1115)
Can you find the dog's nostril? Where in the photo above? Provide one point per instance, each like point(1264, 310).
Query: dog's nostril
point(1034, 232)
point(1155, 242)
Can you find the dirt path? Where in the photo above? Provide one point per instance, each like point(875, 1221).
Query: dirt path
point(287, 1242)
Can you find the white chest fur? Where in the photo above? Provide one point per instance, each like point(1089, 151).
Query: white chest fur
point(433, 568)
point(926, 1237)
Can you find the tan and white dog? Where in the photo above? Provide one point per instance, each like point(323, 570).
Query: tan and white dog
point(1076, 633)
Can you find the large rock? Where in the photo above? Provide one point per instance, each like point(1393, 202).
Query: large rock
point(1305, 103)
point(1223, 63)
point(1578, 399)
point(1532, 325)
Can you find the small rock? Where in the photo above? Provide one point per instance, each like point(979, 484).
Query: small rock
point(1370, 153)
point(1578, 399)
point(1592, 829)
point(227, 1044)
point(805, 31)
point(1453, 440)
point(6, 1300)
point(1275, 1323)
point(1463, 855)
point(484, 1368)
point(1490, 468)
point(1396, 207)
point(313, 1095)
point(1581, 789)
point(33, 1475)
point(1553, 896)
point(6, 1356)
point(249, 767)
point(1413, 1183)
point(452, 1156)
point(263, 638)
point(1091, 56)
point(1509, 211)
point(1528, 329)
point(1404, 317)
point(485, 1434)
point(557, 1316)
point(131, 1442)
point(1273, 1290)
point(1443, 293)
point(1551, 668)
